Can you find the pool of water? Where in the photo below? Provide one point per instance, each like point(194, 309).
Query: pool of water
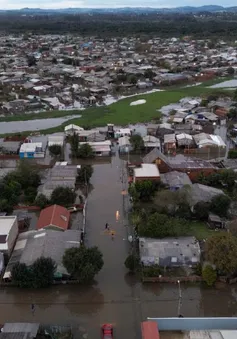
point(33, 125)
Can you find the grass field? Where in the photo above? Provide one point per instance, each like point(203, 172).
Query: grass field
point(121, 113)
point(201, 231)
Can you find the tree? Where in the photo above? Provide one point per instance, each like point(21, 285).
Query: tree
point(55, 150)
point(83, 263)
point(232, 154)
point(41, 201)
point(64, 196)
point(132, 262)
point(183, 211)
point(85, 151)
point(31, 60)
point(201, 210)
point(235, 95)
point(74, 142)
point(143, 190)
point(230, 70)
point(43, 270)
point(149, 74)
point(137, 143)
point(160, 226)
point(209, 275)
point(132, 79)
point(54, 60)
point(21, 276)
point(220, 205)
point(84, 173)
point(221, 251)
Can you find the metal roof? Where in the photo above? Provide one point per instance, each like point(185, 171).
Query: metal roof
point(31, 328)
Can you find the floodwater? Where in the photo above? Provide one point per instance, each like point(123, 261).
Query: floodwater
point(115, 297)
point(33, 125)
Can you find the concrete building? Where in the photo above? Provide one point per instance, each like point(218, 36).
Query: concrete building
point(169, 252)
point(124, 144)
point(146, 172)
point(8, 233)
point(189, 328)
point(32, 150)
point(169, 143)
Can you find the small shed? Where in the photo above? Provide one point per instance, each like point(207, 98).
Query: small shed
point(215, 221)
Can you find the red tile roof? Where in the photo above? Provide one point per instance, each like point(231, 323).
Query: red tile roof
point(54, 215)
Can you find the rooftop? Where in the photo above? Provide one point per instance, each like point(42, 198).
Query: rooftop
point(32, 245)
point(54, 216)
point(6, 224)
point(147, 170)
point(168, 251)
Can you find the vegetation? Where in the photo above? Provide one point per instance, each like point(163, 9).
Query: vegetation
point(143, 190)
point(83, 263)
point(55, 150)
point(137, 143)
point(85, 151)
point(201, 210)
point(39, 274)
point(64, 196)
point(209, 275)
point(220, 205)
point(42, 201)
point(74, 142)
point(84, 174)
point(152, 271)
point(19, 185)
point(221, 251)
point(224, 179)
point(132, 262)
point(161, 225)
point(232, 154)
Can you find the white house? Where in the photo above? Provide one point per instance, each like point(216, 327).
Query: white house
point(8, 233)
point(32, 150)
point(71, 129)
point(57, 139)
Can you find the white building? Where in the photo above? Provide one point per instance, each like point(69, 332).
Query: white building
point(56, 140)
point(32, 150)
point(8, 233)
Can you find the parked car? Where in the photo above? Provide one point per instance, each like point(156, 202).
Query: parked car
point(107, 331)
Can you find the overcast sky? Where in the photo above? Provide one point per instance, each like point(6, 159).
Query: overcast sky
point(16, 4)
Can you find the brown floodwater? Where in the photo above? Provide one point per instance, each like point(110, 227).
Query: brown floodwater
point(115, 297)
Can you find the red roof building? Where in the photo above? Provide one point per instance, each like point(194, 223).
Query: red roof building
point(55, 217)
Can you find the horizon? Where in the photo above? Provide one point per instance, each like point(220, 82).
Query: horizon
point(92, 4)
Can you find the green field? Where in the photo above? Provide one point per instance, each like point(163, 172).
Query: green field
point(121, 113)
point(201, 231)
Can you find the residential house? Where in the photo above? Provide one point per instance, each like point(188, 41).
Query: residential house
point(184, 140)
point(201, 193)
point(33, 245)
point(102, 148)
point(151, 142)
point(175, 180)
point(9, 147)
point(122, 132)
point(8, 233)
point(146, 172)
point(54, 217)
point(124, 144)
point(170, 252)
point(214, 221)
point(31, 150)
point(152, 129)
point(71, 129)
point(192, 166)
point(164, 129)
point(169, 143)
point(56, 139)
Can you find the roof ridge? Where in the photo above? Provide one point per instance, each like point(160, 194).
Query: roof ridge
point(52, 215)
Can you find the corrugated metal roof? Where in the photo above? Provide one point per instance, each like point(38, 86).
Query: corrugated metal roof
point(31, 328)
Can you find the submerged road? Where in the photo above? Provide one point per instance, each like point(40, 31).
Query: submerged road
point(115, 297)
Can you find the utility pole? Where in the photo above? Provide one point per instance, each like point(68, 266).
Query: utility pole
point(180, 300)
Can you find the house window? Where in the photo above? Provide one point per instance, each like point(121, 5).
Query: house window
point(194, 259)
point(174, 259)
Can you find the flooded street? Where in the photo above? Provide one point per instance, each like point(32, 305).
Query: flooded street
point(115, 297)
point(33, 125)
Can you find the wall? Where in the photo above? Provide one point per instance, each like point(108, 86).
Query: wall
point(12, 236)
point(193, 278)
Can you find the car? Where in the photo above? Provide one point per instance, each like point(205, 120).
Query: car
point(107, 331)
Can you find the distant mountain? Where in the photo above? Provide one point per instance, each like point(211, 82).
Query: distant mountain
point(184, 10)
